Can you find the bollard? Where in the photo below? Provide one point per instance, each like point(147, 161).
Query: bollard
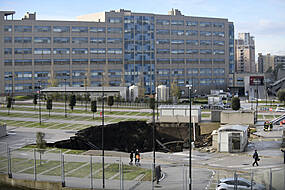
point(62, 171)
point(91, 176)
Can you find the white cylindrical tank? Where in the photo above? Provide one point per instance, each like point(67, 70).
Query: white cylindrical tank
point(162, 93)
point(133, 93)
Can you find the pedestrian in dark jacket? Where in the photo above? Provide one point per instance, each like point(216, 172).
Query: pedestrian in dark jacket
point(131, 157)
point(283, 150)
point(256, 158)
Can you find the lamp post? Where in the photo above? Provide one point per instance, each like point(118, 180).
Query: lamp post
point(85, 94)
point(103, 157)
point(65, 98)
point(12, 78)
point(190, 134)
point(40, 113)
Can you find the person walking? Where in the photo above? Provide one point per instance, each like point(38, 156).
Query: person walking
point(256, 158)
point(136, 156)
point(283, 150)
point(131, 157)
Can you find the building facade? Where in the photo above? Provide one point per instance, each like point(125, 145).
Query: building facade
point(268, 60)
point(245, 53)
point(116, 48)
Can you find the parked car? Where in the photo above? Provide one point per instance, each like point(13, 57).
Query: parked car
point(229, 184)
point(280, 109)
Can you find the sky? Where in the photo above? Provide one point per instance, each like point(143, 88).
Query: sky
point(263, 19)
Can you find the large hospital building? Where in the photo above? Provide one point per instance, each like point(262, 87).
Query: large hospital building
point(116, 48)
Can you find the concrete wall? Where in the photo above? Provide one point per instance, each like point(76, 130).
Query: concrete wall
point(237, 117)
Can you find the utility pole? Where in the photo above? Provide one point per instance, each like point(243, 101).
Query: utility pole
point(103, 157)
point(40, 114)
point(65, 98)
point(190, 133)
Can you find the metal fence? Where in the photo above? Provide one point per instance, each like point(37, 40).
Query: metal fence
point(85, 171)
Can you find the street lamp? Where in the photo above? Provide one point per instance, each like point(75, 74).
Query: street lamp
point(65, 98)
point(103, 170)
point(40, 113)
point(190, 134)
point(85, 94)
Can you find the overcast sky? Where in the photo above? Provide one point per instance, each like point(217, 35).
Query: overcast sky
point(264, 19)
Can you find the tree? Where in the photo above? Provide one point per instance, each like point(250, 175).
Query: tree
point(41, 144)
point(235, 103)
point(9, 103)
point(35, 100)
point(175, 90)
point(281, 95)
point(49, 105)
point(110, 101)
point(93, 107)
point(72, 101)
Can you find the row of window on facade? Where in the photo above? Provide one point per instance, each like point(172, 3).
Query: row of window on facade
point(117, 30)
point(164, 61)
point(113, 73)
point(66, 51)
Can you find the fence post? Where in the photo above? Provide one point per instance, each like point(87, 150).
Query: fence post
point(235, 178)
point(35, 165)
point(122, 168)
point(152, 177)
point(120, 171)
point(91, 176)
point(9, 162)
point(251, 175)
point(270, 179)
point(183, 177)
point(62, 170)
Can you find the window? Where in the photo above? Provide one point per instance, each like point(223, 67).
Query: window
point(42, 75)
point(20, 28)
point(7, 28)
point(78, 74)
point(42, 40)
point(205, 42)
point(191, 23)
point(23, 50)
point(177, 22)
point(177, 51)
point(7, 40)
point(23, 40)
point(22, 62)
point(97, 29)
point(61, 61)
point(8, 62)
point(42, 61)
point(219, 43)
point(192, 61)
point(115, 61)
point(115, 50)
point(7, 51)
point(177, 32)
point(79, 51)
point(192, 51)
point(162, 22)
point(177, 42)
point(205, 61)
point(163, 72)
point(79, 29)
point(219, 81)
point(218, 25)
point(114, 40)
point(163, 61)
point(79, 40)
point(98, 61)
point(162, 41)
point(218, 34)
point(162, 32)
point(61, 40)
point(62, 74)
point(61, 29)
point(218, 71)
point(205, 81)
point(61, 51)
point(163, 51)
point(114, 83)
point(97, 73)
point(177, 72)
point(205, 71)
point(80, 61)
point(205, 33)
point(42, 28)
point(191, 33)
point(115, 30)
point(114, 73)
point(219, 52)
point(192, 42)
point(177, 61)
point(205, 51)
point(97, 51)
point(97, 40)
point(42, 51)
point(219, 61)
point(205, 24)
point(115, 20)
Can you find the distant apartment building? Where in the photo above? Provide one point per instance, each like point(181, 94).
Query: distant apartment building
point(268, 60)
point(116, 48)
point(245, 53)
